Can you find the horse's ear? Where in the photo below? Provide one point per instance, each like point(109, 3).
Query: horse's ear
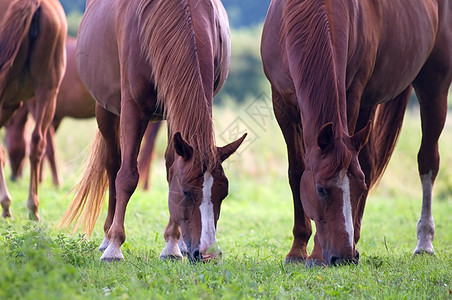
point(226, 151)
point(326, 137)
point(361, 138)
point(182, 148)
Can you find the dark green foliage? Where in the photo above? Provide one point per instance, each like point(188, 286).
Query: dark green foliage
point(244, 13)
point(246, 76)
point(73, 5)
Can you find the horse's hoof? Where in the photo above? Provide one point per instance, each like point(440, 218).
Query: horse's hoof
point(111, 259)
point(34, 217)
point(295, 260)
point(112, 253)
point(7, 215)
point(103, 246)
point(423, 252)
point(170, 257)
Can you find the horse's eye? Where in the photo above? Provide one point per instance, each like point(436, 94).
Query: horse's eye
point(322, 192)
point(187, 194)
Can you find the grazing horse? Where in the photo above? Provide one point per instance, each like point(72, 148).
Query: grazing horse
point(341, 73)
point(143, 60)
point(74, 101)
point(32, 62)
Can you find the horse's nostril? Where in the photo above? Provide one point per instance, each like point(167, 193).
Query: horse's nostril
point(334, 261)
point(196, 256)
point(357, 256)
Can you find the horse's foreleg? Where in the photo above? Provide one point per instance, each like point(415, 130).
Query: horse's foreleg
point(292, 132)
point(45, 107)
point(109, 125)
point(172, 236)
point(433, 116)
point(133, 123)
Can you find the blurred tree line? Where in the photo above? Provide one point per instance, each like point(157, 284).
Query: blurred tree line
point(246, 78)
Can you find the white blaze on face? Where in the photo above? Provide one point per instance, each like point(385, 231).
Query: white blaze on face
point(347, 208)
point(208, 237)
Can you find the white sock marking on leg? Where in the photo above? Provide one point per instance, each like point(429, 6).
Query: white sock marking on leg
point(426, 225)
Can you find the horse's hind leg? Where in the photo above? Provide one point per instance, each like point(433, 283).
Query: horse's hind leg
point(108, 126)
point(288, 120)
point(51, 157)
point(15, 141)
point(431, 88)
point(45, 105)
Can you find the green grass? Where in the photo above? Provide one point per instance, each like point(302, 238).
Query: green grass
point(37, 261)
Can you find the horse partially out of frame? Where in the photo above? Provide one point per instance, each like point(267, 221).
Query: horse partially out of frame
point(341, 72)
point(143, 60)
point(32, 62)
point(74, 101)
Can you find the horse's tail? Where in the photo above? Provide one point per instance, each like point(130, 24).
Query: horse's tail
point(169, 43)
point(14, 26)
point(386, 131)
point(90, 191)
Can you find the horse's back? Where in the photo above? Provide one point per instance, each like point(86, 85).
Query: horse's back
point(407, 36)
point(273, 48)
point(384, 37)
point(97, 54)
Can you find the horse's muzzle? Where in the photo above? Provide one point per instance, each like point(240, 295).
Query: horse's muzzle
point(336, 261)
point(197, 257)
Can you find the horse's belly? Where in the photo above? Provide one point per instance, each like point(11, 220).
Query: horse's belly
point(97, 58)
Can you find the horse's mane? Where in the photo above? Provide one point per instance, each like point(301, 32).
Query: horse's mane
point(306, 34)
point(168, 42)
point(14, 26)
point(307, 38)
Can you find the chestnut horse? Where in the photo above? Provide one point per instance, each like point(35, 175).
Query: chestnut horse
point(32, 62)
point(73, 100)
point(143, 60)
point(341, 73)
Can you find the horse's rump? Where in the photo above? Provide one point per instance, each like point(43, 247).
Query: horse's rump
point(15, 25)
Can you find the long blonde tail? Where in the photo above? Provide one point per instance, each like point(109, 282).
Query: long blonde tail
point(90, 191)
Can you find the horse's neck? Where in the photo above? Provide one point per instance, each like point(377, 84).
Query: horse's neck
point(317, 69)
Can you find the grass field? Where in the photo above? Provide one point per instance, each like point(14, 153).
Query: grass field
point(37, 261)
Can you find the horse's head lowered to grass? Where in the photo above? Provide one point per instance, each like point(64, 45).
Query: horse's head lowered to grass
point(331, 188)
point(195, 197)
